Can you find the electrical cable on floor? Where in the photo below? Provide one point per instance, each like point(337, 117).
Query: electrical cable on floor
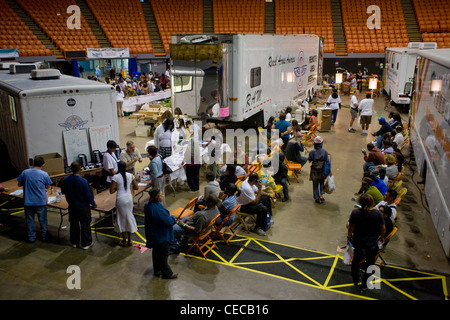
point(418, 188)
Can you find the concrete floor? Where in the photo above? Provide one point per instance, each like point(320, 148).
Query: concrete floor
point(38, 271)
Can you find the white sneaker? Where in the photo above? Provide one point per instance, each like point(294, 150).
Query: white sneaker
point(87, 247)
point(260, 232)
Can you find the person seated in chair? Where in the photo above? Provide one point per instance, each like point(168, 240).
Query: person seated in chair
point(294, 148)
point(227, 205)
point(255, 201)
point(192, 225)
point(389, 200)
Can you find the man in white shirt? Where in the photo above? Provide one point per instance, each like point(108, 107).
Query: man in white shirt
point(389, 200)
point(253, 201)
point(353, 110)
point(365, 111)
point(399, 139)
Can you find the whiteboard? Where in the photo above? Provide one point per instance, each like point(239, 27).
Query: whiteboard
point(76, 142)
point(100, 136)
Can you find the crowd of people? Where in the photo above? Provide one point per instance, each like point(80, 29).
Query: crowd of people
point(226, 186)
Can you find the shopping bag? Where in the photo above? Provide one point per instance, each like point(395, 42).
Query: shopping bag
point(359, 121)
point(348, 255)
point(329, 185)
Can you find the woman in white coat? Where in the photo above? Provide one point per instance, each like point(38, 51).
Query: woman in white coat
point(123, 182)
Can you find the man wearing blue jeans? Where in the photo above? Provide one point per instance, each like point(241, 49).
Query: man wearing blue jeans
point(35, 183)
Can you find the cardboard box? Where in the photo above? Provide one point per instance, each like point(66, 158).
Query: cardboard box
point(54, 163)
point(142, 131)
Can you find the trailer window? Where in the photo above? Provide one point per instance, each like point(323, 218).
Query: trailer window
point(255, 77)
point(12, 108)
point(182, 83)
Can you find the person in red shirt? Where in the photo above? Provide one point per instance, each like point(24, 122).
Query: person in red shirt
point(373, 159)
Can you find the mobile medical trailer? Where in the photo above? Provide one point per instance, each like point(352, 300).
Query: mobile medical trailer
point(399, 73)
point(249, 77)
point(430, 133)
point(37, 107)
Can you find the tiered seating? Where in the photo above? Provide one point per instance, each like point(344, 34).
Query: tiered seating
point(15, 34)
point(361, 39)
point(433, 17)
point(239, 16)
point(177, 16)
point(305, 17)
point(123, 23)
point(51, 16)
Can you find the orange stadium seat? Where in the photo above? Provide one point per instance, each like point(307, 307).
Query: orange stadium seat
point(360, 39)
point(15, 34)
point(52, 18)
point(316, 19)
point(123, 25)
point(177, 16)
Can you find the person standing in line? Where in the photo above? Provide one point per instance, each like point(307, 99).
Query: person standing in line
point(359, 79)
point(35, 183)
point(159, 233)
point(366, 229)
point(98, 72)
point(353, 110)
point(318, 157)
point(156, 170)
point(125, 224)
point(285, 129)
point(334, 101)
point(110, 162)
point(130, 155)
point(120, 96)
point(80, 198)
point(365, 111)
point(163, 138)
point(192, 163)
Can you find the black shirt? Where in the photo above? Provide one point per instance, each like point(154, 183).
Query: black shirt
point(367, 226)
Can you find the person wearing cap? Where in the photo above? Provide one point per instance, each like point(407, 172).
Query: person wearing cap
point(317, 158)
point(385, 127)
point(365, 111)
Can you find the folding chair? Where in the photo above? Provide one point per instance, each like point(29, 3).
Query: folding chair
point(395, 180)
point(397, 185)
point(382, 250)
point(203, 239)
point(404, 144)
point(180, 213)
point(293, 167)
point(240, 219)
point(218, 228)
point(400, 195)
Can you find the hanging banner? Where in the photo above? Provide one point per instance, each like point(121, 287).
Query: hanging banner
point(9, 53)
point(107, 53)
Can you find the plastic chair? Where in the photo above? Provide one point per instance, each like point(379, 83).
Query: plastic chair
point(382, 250)
point(180, 213)
point(203, 239)
point(395, 180)
point(218, 228)
point(400, 195)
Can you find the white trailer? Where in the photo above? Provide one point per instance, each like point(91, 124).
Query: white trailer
point(399, 73)
point(255, 75)
point(430, 135)
point(36, 108)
